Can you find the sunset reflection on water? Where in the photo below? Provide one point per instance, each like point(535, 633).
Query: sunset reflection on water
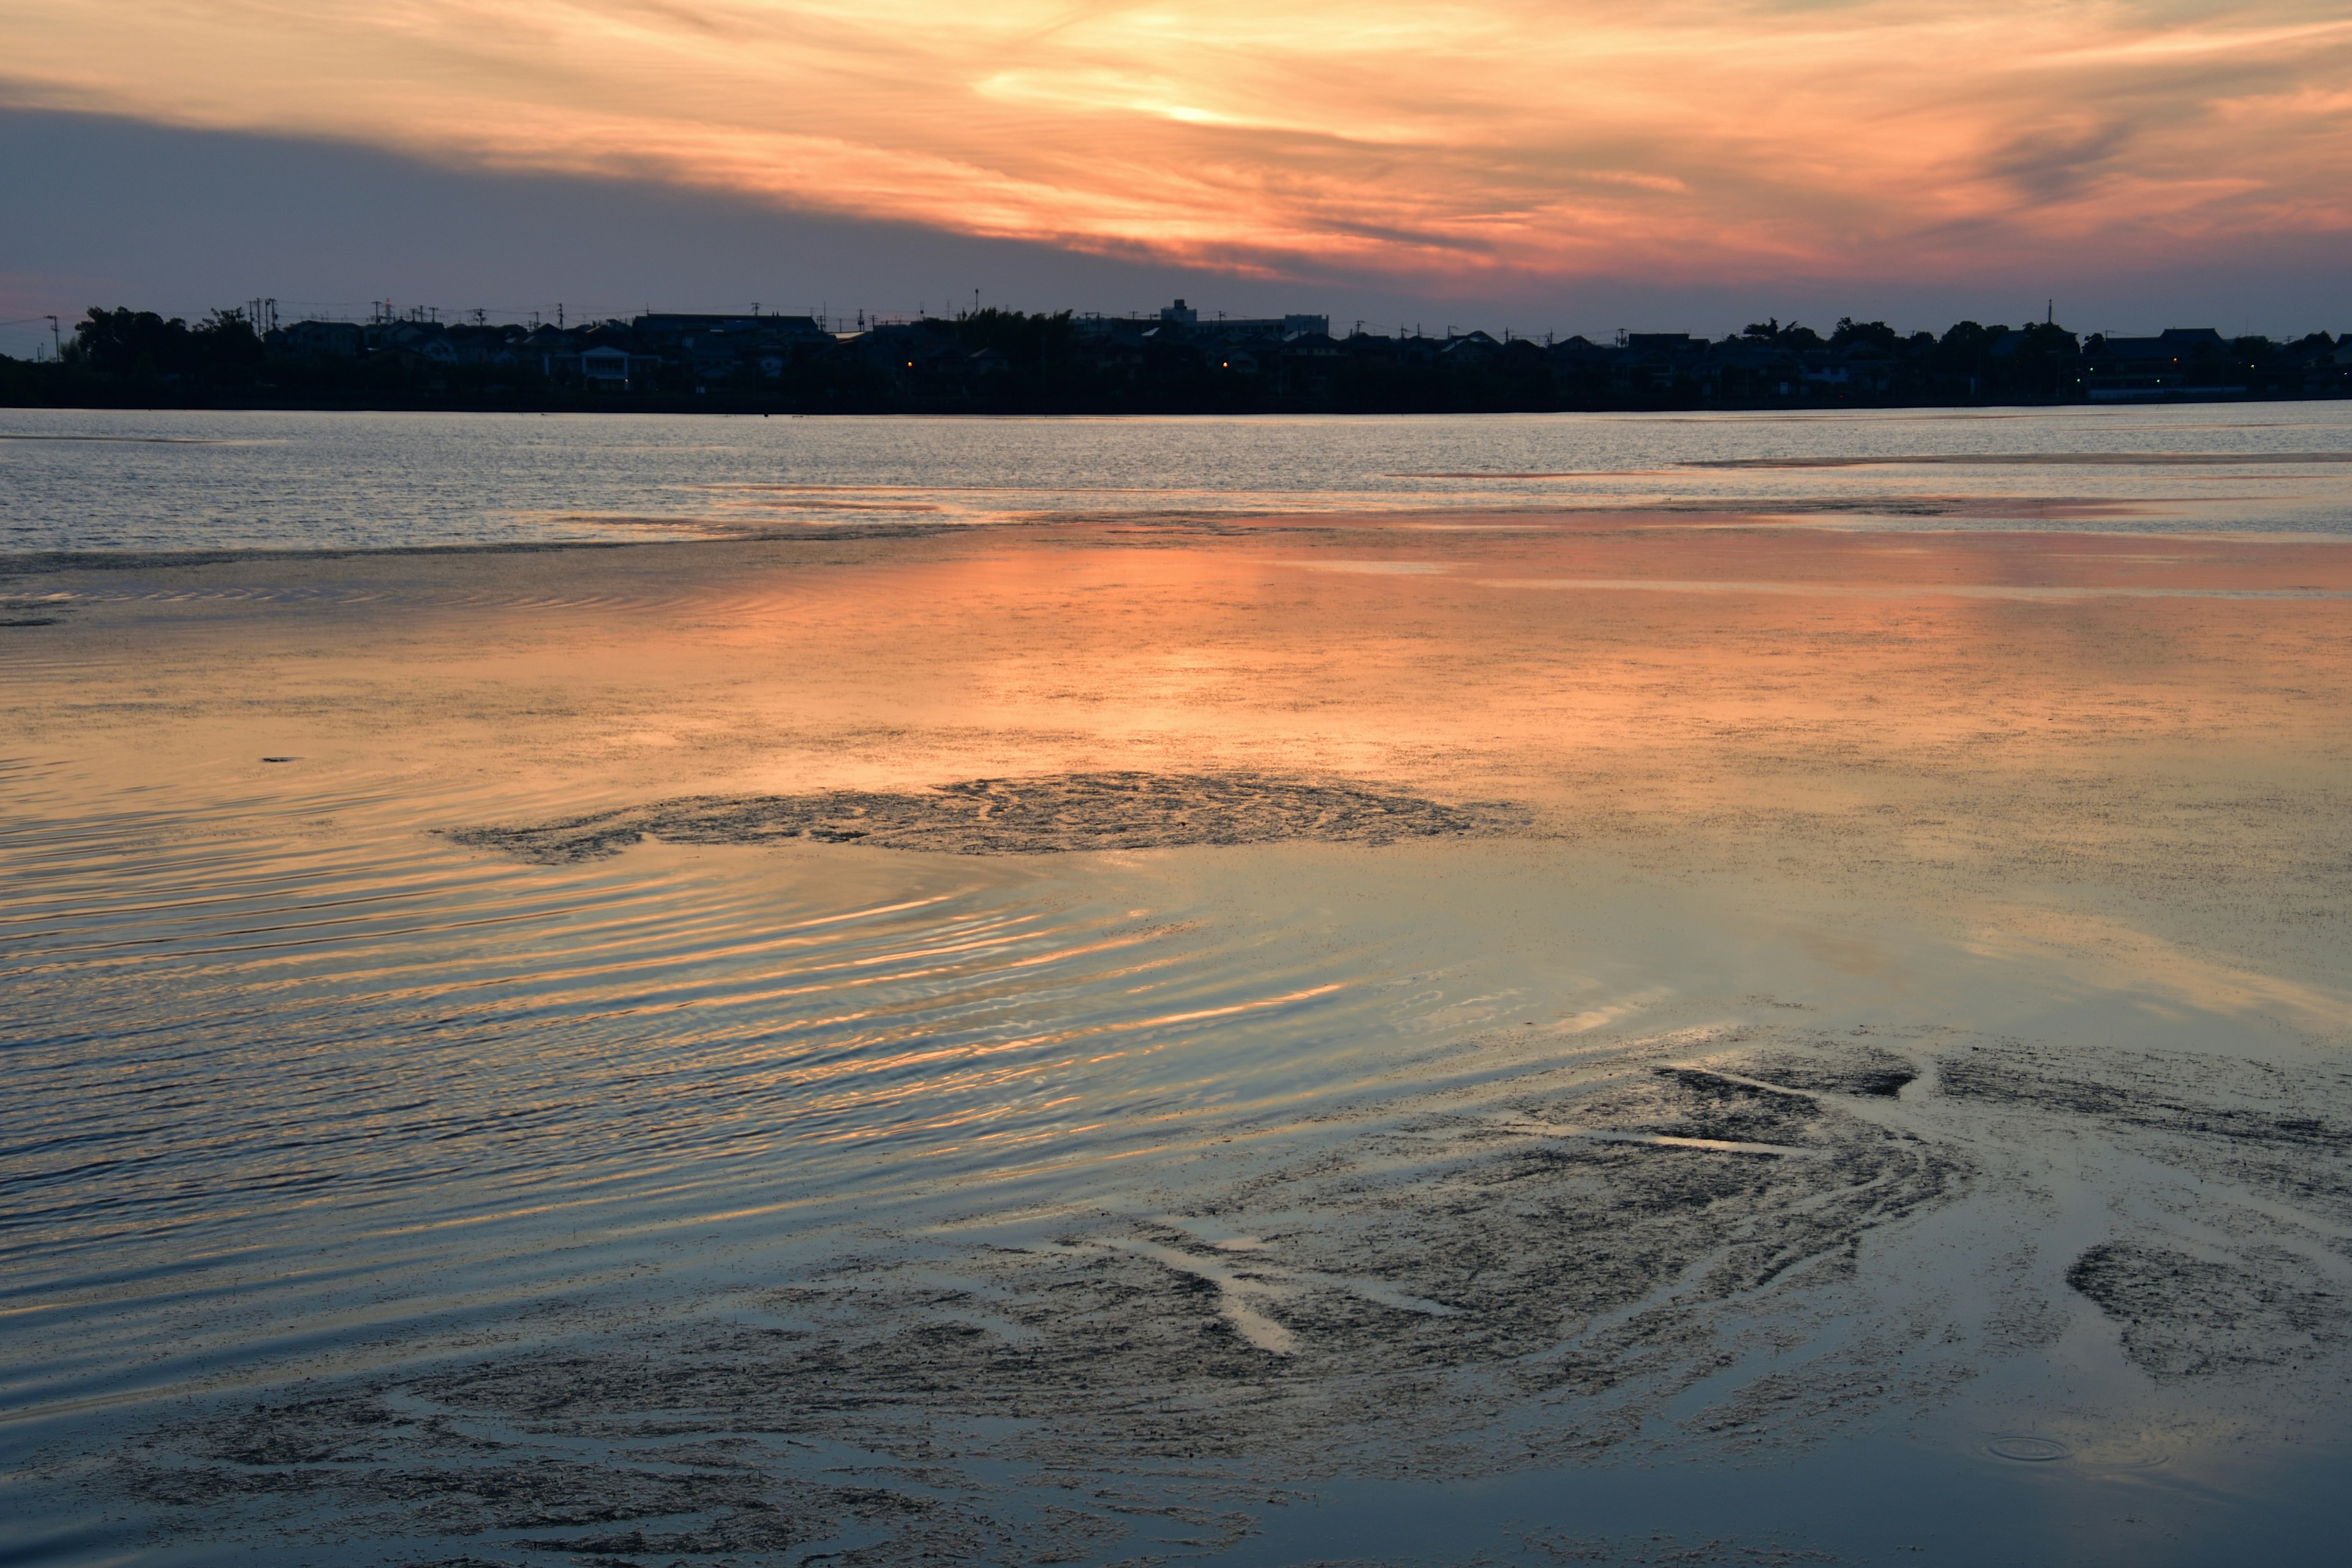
point(309, 1089)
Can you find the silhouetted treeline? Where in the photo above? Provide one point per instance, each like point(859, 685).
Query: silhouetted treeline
point(995, 361)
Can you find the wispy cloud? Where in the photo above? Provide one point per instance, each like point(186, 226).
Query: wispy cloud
point(1704, 139)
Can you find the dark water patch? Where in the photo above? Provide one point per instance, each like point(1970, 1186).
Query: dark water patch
point(1053, 815)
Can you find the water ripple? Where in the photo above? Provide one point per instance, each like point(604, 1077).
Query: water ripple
point(259, 1063)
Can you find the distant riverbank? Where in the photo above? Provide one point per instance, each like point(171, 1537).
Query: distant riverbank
point(994, 361)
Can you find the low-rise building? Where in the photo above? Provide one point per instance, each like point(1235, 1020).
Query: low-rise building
point(2180, 362)
point(318, 340)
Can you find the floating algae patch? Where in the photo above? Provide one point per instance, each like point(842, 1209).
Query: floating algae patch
point(1021, 816)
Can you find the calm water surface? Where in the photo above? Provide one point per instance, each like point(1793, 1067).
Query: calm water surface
point(165, 482)
point(296, 1087)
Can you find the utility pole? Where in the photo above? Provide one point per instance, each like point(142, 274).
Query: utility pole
point(57, 343)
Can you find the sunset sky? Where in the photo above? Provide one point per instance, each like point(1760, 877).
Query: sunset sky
point(1493, 150)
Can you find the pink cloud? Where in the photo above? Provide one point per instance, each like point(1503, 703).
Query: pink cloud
point(1488, 138)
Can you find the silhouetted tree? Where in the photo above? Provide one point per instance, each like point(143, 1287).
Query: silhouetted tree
point(140, 344)
point(1793, 336)
point(123, 342)
point(1026, 340)
point(225, 340)
point(1878, 334)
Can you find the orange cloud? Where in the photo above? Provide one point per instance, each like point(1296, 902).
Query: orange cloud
point(1706, 140)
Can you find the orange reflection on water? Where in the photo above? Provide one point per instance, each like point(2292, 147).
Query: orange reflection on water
point(1689, 658)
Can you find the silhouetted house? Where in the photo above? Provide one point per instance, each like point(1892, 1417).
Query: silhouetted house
point(2314, 366)
point(1825, 375)
point(1742, 370)
point(1580, 369)
point(1113, 346)
point(412, 343)
point(1305, 361)
point(603, 362)
point(1413, 348)
point(1870, 369)
point(484, 344)
point(718, 347)
point(1657, 363)
point(1465, 351)
point(924, 358)
point(2180, 362)
point(319, 340)
point(606, 364)
point(434, 346)
point(1167, 349)
point(428, 340)
point(535, 347)
point(1181, 318)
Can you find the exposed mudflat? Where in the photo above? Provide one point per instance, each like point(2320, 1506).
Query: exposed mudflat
point(2248, 1271)
point(1660, 1250)
point(2184, 1315)
point(1021, 816)
point(1443, 1285)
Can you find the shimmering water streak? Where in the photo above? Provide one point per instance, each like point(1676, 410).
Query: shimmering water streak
point(272, 1082)
point(74, 479)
